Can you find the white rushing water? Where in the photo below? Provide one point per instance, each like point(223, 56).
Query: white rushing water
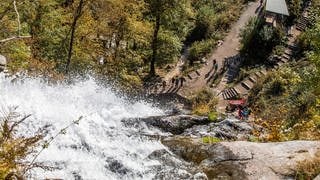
point(101, 146)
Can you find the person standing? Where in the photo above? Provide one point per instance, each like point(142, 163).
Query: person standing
point(182, 80)
point(173, 80)
point(177, 81)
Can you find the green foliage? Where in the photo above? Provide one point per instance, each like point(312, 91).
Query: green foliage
point(257, 36)
point(169, 48)
point(118, 31)
point(250, 31)
point(287, 99)
point(212, 21)
point(210, 140)
point(278, 50)
point(200, 48)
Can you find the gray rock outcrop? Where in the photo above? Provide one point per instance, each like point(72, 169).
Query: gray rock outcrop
point(175, 124)
point(228, 129)
point(244, 160)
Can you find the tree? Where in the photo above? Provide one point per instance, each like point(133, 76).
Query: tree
point(163, 12)
point(76, 17)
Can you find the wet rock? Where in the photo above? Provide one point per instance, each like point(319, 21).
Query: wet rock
point(244, 160)
point(76, 176)
point(175, 124)
point(117, 167)
point(3, 62)
point(172, 167)
point(228, 129)
point(175, 103)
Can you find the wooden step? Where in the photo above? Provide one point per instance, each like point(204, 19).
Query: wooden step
point(249, 83)
point(223, 95)
point(239, 88)
point(197, 72)
point(288, 52)
point(258, 74)
point(286, 56)
point(228, 94)
point(245, 86)
point(234, 91)
point(263, 71)
point(300, 28)
point(284, 60)
point(280, 63)
point(252, 79)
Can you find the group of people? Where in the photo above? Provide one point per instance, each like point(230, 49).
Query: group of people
point(178, 81)
point(243, 112)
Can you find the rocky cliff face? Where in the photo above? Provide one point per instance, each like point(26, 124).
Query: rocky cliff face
point(244, 160)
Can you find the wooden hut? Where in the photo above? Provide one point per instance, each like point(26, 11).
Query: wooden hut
point(276, 11)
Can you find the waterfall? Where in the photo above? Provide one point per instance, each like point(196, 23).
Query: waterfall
point(101, 146)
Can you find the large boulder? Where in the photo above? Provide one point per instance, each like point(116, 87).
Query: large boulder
point(175, 124)
point(244, 160)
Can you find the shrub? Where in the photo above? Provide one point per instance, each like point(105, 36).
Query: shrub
point(278, 50)
point(14, 148)
point(309, 169)
point(203, 102)
point(248, 33)
point(200, 48)
point(202, 97)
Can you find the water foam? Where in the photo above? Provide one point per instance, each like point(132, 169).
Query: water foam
point(100, 147)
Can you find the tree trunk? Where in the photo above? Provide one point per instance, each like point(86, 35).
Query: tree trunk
point(155, 45)
point(35, 29)
point(73, 29)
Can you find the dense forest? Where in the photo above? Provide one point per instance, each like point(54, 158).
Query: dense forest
point(123, 40)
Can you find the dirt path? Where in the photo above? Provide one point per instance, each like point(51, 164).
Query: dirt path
point(229, 48)
point(177, 69)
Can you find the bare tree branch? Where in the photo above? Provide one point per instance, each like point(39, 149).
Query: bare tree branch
point(19, 27)
point(14, 38)
point(18, 17)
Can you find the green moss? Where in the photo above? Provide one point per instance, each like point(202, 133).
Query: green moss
point(253, 139)
point(210, 139)
point(213, 116)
